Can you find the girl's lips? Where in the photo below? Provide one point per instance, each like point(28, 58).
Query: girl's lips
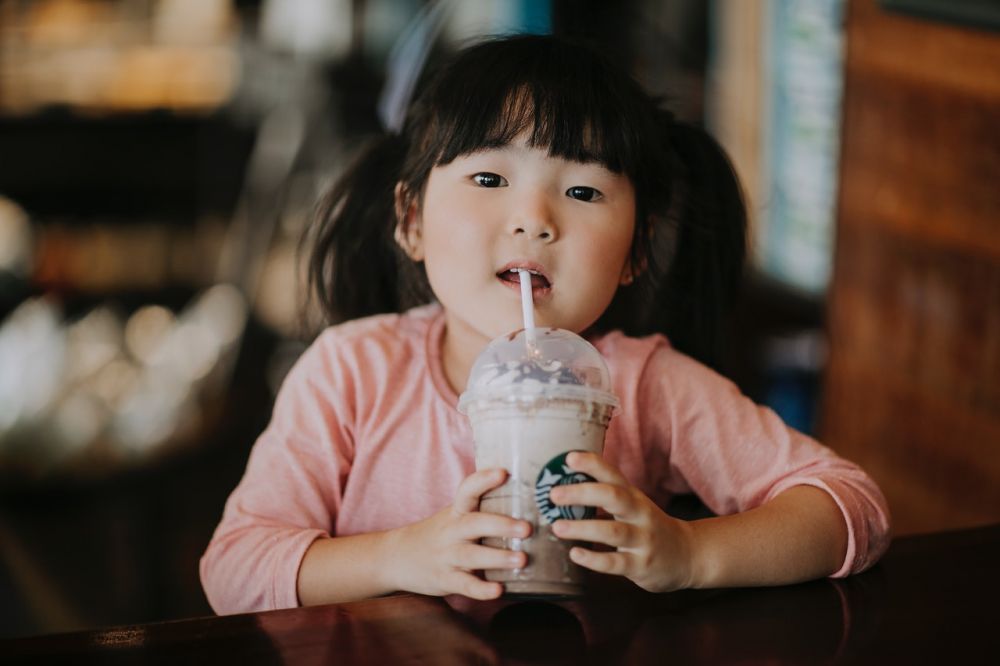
point(511, 278)
point(536, 292)
point(540, 275)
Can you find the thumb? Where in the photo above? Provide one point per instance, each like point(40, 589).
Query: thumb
point(475, 486)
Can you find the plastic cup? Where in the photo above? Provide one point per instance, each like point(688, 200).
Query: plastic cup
point(529, 406)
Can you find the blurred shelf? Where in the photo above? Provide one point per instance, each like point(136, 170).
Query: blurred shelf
point(230, 421)
point(156, 164)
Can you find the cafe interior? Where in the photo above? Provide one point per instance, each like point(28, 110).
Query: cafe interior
point(161, 160)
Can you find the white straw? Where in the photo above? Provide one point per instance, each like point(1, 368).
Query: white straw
point(527, 305)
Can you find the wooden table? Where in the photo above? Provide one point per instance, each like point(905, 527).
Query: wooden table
point(933, 599)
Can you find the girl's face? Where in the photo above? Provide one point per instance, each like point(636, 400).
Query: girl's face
point(515, 206)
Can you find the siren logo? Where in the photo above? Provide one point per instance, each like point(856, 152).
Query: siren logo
point(557, 473)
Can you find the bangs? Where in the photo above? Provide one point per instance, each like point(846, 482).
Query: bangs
point(567, 101)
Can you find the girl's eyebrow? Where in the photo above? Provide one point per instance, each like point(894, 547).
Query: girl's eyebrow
point(594, 163)
point(589, 160)
point(598, 164)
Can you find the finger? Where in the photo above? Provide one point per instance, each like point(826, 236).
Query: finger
point(615, 563)
point(474, 486)
point(473, 557)
point(479, 524)
point(609, 532)
point(597, 467)
point(475, 588)
point(619, 501)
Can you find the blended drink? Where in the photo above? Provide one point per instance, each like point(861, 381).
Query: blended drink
point(531, 403)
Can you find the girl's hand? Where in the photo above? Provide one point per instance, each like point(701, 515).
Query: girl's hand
point(652, 549)
point(438, 555)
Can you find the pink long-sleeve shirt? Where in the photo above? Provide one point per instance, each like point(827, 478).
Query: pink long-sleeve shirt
point(366, 436)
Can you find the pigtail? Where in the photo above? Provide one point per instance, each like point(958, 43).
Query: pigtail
point(700, 286)
point(355, 267)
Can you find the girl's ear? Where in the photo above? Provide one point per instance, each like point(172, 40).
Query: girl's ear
point(408, 233)
point(628, 275)
point(634, 268)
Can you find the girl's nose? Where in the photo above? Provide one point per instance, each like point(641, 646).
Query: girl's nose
point(534, 220)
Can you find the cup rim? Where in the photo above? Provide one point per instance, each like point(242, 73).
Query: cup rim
point(522, 394)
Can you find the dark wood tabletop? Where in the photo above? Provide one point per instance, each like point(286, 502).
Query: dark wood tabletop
point(932, 599)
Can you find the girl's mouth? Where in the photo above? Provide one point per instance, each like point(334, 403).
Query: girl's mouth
point(540, 284)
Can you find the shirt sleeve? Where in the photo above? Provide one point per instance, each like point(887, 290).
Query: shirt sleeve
point(736, 455)
point(290, 492)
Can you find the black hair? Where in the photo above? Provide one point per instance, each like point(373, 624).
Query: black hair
point(690, 222)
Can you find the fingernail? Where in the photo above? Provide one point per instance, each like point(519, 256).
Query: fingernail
point(558, 527)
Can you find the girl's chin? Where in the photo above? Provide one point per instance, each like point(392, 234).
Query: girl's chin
point(480, 332)
point(488, 326)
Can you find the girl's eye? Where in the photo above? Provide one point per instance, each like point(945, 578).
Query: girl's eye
point(584, 193)
point(487, 179)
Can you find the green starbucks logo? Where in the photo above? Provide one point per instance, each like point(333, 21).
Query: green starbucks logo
point(557, 473)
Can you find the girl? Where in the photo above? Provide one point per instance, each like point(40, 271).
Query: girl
point(528, 152)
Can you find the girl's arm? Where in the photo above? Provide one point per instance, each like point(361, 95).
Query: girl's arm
point(290, 492)
point(799, 535)
point(273, 549)
point(347, 568)
point(789, 508)
point(434, 556)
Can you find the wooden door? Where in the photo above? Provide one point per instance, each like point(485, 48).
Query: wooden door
point(912, 390)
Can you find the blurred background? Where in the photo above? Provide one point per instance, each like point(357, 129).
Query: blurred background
point(159, 160)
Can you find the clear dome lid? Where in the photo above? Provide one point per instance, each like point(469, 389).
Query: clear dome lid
point(557, 364)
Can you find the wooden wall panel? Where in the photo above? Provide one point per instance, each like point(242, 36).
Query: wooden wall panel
point(913, 384)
